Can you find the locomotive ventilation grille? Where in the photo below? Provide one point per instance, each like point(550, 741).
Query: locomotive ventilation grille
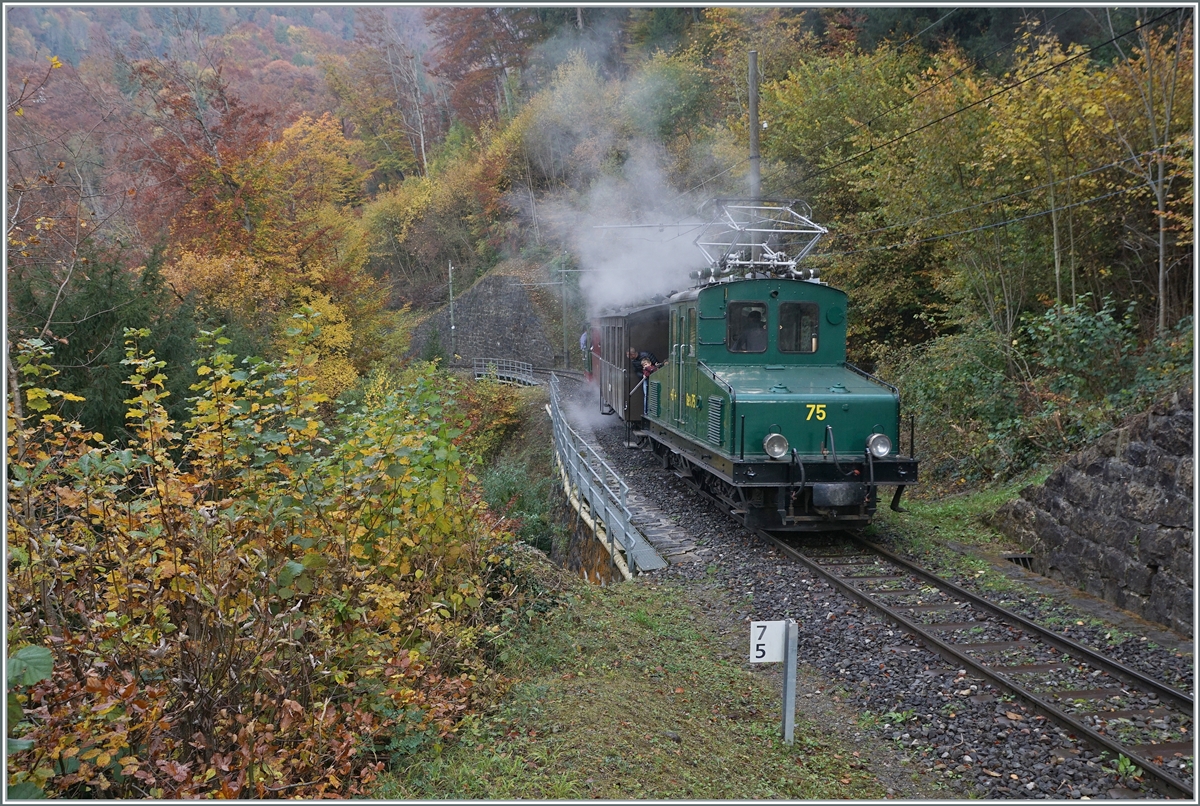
point(715, 407)
point(652, 403)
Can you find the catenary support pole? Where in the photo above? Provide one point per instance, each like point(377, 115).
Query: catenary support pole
point(453, 346)
point(755, 180)
point(562, 274)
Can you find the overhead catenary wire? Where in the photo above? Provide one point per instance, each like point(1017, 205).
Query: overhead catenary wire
point(996, 200)
point(693, 227)
point(908, 100)
point(912, 97)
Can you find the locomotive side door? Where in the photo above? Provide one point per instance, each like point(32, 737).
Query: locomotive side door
point(687, 376)
point(676, 377)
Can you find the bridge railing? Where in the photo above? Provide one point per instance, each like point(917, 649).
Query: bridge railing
point(505, 370)
point(602, 488)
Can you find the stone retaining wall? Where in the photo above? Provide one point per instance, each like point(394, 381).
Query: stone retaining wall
point(1117, 519)
point(495, 318)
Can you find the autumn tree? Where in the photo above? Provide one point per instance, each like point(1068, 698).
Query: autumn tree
point(824, 120)
point(1043, 130)
point(571, 129)
point(1149, 106)
point(194, 136)
point(782, 37)
point(305, 247)
point(76, 274)
point(481, 52)
point(658, 29)
point(385, 91)
point(65, 198)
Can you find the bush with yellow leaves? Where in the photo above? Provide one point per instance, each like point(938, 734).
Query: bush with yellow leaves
point(254, 603)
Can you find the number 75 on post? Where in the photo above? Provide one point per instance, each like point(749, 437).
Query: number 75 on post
point(766, 641)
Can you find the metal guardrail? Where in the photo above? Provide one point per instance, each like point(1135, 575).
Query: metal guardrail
point(505, 370)
point(602, 488)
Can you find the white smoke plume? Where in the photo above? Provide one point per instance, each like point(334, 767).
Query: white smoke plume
point(598, 138)
point(632, 235)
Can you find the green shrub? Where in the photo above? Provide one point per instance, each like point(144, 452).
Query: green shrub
point(1080, 352)
point(986, 411)
point(507, 488)
point(255, 601)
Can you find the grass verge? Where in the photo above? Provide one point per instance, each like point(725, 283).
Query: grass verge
point(956, 517)
point(950, 535)
point(628, 693)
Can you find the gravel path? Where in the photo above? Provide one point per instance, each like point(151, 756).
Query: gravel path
point(941, 720)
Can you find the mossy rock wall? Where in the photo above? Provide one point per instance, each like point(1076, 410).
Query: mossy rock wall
point(1117, 519)
point(584, 555)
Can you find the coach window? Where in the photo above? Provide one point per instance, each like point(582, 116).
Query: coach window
point(798, 327)
point(746, 324)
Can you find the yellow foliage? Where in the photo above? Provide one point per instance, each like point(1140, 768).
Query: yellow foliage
point(317, 163)
point(379, 384)
point(332, 371)
point(236, 283)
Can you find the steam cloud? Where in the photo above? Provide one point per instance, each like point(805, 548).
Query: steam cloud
point(627, 226)
point(624, 264)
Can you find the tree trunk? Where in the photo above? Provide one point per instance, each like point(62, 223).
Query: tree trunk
point(1161, 199)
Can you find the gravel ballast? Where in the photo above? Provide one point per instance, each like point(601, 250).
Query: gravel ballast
point(941, 720)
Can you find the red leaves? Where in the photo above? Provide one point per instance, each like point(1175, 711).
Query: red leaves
point(174, 770)
point(476, 49)
point(291, 710)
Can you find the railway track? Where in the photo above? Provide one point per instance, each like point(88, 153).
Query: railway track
point(1098, 700)
point(1049, 717)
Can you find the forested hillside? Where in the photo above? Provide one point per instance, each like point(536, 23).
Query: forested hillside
point(245, 533)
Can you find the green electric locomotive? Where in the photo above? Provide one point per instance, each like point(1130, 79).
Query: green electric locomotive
point(755, 402)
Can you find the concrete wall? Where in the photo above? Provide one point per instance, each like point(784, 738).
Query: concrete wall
point(495, 318)
point(1117, 519)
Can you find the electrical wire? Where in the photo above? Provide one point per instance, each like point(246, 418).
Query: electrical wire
point(919, 129)
point(888, 111)
point(996, 200)
point(913, 97)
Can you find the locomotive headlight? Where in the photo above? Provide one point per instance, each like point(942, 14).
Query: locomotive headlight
point(776, 445)
point(879, 445)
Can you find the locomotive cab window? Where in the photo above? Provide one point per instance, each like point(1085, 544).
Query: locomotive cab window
point(798, 327)
point(746, 323)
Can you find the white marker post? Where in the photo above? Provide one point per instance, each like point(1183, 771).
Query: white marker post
point(772, 642)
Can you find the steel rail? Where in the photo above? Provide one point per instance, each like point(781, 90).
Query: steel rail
point(1164, 782)
point(1062, 642)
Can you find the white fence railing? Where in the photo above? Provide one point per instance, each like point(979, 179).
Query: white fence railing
point(590, 479)
point(505, 370)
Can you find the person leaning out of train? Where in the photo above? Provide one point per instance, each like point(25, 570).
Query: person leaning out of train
point(639, 358)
